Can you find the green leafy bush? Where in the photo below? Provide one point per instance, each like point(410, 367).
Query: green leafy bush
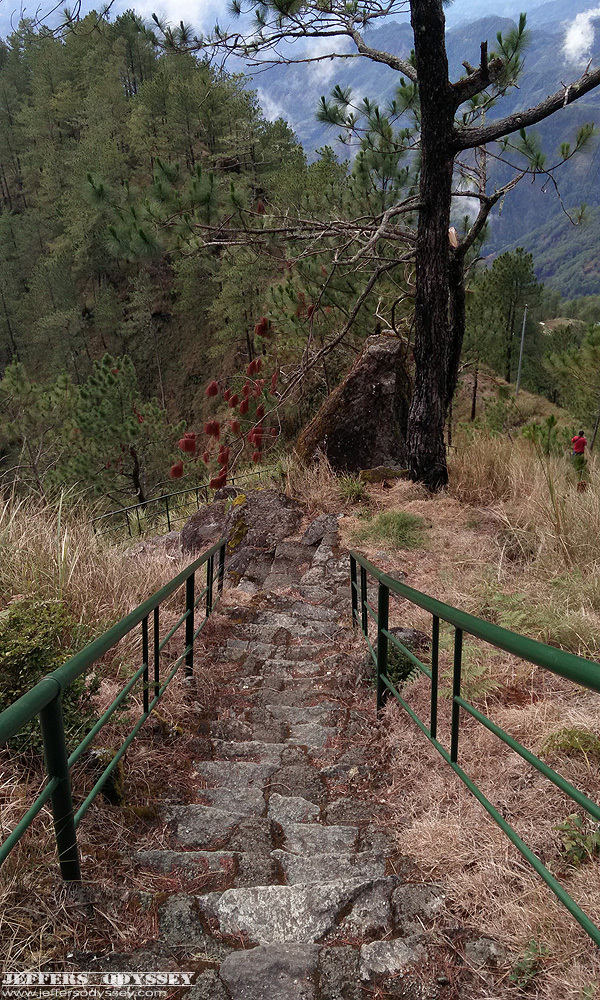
point(36, 637)
point(395, 528)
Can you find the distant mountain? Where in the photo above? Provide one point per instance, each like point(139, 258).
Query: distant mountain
point(566, 256)
point(531, 207)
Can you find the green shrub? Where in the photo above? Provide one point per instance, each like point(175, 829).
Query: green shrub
point(529, 964)
point(580, 838)
point(395, 528)
point(36, 637)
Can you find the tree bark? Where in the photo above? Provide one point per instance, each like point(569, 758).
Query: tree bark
point(434, 351)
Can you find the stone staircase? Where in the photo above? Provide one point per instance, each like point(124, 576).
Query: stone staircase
point(301, 893)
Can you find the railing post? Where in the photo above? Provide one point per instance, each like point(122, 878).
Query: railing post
point(55, 756)
point(354, 589)
point(189, 625)
point(458, 637)
point(137, 514)
point(221, 574)
point(383, 606)
point(168, 515)
point(209, 586)
point(145, 662)
point(435, 652)
point(363, 600)
point(156, 654)
point(128, 522)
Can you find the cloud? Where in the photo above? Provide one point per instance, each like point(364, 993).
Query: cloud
point(579, 37)
point(320, 73)
point(271, 109)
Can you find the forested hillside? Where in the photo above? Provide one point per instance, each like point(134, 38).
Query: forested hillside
point(132, 303)
point(104, 102)
point(103, 137)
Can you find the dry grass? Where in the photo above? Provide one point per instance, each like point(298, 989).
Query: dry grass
point(489, 887)
point(313, 485)
point(55, 554)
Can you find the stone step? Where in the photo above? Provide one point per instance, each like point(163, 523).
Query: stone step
point(313, 838)
point(253, 750)
point(308, 868)
point(310, 972)
point(234, 774)
point(311, 734)
point(222, 869)
point(285, 809)
point(293, 715)
point(304, 913)
point(203, 826)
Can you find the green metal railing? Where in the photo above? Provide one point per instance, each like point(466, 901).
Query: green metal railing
point(44, 700)
point(583, 672)
point(163, 511)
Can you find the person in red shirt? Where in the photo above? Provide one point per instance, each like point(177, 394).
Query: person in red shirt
point(579, 443)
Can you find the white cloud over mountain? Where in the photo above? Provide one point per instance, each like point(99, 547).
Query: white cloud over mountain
point(579, 37)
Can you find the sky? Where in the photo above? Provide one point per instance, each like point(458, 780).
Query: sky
point(203, 14)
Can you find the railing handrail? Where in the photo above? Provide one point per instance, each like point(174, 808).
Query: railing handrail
point(574, 668)
point(44, 699)
point(558, 661)
point(177, 493)
point(22, 711)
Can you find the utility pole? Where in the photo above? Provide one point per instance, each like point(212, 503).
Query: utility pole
point(521, 351)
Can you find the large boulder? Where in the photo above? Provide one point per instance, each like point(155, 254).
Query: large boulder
point(363, 422)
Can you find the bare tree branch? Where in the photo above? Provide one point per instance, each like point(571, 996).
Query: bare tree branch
point(468, 138)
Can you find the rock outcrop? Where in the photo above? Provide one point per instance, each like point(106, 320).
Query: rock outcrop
point(253, 524)
point(363, 422)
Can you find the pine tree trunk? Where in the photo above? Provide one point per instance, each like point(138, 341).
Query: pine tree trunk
point(474, 396)
point(435, 354)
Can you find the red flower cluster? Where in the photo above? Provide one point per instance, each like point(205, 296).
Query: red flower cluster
point(212, 389)
point(213, 429)
point(262, 327)
point(176, 471)
point(188, 442)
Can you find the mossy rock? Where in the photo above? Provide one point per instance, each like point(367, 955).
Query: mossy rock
point(381, 473)
point(237, 535)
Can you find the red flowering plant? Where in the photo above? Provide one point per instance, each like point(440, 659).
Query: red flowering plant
point(249, 431)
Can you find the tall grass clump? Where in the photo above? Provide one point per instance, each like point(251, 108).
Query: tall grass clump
point(52, 553)
point(314, 485)
point(394, 528)
point(534, 497)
